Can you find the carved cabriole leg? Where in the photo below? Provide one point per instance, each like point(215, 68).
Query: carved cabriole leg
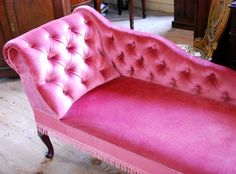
point(96, 161)
point(47, 142)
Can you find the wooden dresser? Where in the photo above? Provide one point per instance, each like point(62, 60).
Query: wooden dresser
point(184, 14)
point(191, 15)
point(75, 3)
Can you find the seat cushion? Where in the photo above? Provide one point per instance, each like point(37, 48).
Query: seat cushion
point(188, 133)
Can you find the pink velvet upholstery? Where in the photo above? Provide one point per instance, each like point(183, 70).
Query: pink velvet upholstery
point(135, 93)
point(185, 132)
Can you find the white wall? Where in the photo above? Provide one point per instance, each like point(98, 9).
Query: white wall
point(161, 5)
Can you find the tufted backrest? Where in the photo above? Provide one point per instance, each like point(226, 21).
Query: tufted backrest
point(70, 56)
point(157, 60)
point(64, 59)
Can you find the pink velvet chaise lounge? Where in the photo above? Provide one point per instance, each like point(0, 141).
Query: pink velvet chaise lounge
point(132, 99)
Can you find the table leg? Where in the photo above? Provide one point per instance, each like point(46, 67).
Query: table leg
point(144, 8)
point(97, 5)
point(120, 6)
point(131, 13)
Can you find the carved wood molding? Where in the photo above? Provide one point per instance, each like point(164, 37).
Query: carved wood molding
point(217, 21)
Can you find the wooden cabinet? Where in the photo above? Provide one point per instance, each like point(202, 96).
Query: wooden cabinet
point(184, 14)
point(20, 16)
point(202, 9)
point(183, 18)
point(191, 15)
point(75, 3)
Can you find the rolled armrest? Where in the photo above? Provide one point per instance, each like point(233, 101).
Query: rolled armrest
point(13, 57)
point(60, 61)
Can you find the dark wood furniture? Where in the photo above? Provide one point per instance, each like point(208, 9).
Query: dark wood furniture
point(97, 5)
point(232, 37)
point(131, 10)
point(218, 19)
point(20, 16)
point(76, 3)
point(184, 14)
point(202, 8)
point(191, 15)
point(225, 52)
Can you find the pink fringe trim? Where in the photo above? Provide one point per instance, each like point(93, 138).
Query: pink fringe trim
point(124, 166)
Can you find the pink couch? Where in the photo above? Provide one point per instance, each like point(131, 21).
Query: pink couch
point(132, 99)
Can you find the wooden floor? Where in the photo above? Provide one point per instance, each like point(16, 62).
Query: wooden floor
point(21, 151)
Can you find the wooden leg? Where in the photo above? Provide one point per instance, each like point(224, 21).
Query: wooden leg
point(131, 13)
point(97, 5)
point(47, 142)
point(120, 6)
point(144, 8)
point(96, 161)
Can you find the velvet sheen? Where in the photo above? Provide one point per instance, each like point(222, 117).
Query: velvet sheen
point(84, 50)
point(188, 133)
point(136, 90)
